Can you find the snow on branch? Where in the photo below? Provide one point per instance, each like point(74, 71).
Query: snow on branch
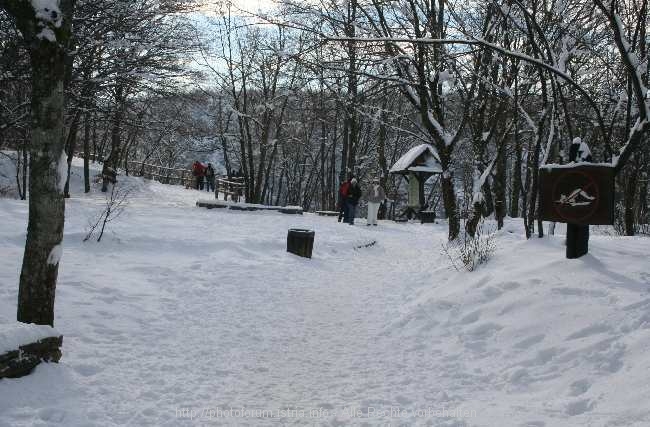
point(47, 15)
point(475, 41)
point(631, 63)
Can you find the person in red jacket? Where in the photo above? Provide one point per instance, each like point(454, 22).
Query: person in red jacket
point(198, 171)
point(343, 195)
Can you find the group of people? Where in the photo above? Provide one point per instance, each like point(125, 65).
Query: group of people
point(203, 176)
point(349, 196)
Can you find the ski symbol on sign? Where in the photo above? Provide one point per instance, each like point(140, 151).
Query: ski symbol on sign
point(577, 197)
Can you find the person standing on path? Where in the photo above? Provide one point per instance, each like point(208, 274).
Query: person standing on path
point(352, 200)
point(198, 172)
point(374, 197)
point(343, 195)
point(209, 178)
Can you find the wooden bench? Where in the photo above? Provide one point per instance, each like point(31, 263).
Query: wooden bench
point(211, 204)
point(327, 213)
point(291, 210)
point(221, 204)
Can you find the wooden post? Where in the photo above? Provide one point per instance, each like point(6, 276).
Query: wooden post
point(577, 236)
point(421, 179)
point(577, 240)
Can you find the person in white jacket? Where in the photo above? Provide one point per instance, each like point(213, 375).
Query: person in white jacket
point(375, 196)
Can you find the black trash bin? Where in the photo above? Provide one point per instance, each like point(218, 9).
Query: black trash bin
point(300, 242)
point(427, 217)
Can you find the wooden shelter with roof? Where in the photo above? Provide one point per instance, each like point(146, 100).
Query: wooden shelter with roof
point(417, 166)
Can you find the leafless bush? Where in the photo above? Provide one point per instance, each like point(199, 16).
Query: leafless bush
point(619, 224)
point(644, 229)
point(7, 191)
point(116, 202)
point(641, 225)
point(467, 252)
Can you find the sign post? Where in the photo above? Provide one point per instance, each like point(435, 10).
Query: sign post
point(578, 194)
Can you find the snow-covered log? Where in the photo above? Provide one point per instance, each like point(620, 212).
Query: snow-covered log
point(23, 346)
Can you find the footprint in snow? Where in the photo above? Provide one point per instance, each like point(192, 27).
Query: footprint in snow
point(491, 293)
point(485, 330)
point(579, 387)
point(577, 292)
point(87, 370)
point(579, 407)
point(595, 329)
point(471, 317)
point(520, 376)
point(530, 341)
point(510, 286)
point(51, 415)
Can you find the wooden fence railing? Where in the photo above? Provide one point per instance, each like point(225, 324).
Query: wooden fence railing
point(165, 175)
point(233, 186)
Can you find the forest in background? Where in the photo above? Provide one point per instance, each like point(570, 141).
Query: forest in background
point(297, 97)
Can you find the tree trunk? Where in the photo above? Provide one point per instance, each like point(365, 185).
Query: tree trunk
point(46, 203)
point(381, 154)
point(449, 201)
point(642, 207)
point(71, 145)
point(449, 195)
point(630, 193)
point(25, 170)
point(500, 189)
point(86, 152)
point(488, 204)
point(111, 164)
point(475, 217)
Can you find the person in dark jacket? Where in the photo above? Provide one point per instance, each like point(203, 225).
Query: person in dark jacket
point(352, 200)
point(209, 178)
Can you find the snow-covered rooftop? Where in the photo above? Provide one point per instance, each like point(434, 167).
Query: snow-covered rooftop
point(422, 158)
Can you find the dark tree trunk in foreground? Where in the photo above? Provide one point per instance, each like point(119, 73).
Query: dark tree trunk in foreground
point(449, 196)
point(45, 37)
point(628, 200)
point(515, 193)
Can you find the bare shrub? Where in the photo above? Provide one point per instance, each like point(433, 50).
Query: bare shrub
point(467, 252)
point(116, 202)
point(8, 192)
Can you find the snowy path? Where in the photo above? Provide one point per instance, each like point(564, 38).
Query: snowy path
point(199, 310)
point(206, 315)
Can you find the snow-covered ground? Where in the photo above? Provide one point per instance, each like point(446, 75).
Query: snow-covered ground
point(187, 316)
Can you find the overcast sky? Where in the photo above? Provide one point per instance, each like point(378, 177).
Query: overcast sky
point(248, 5)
